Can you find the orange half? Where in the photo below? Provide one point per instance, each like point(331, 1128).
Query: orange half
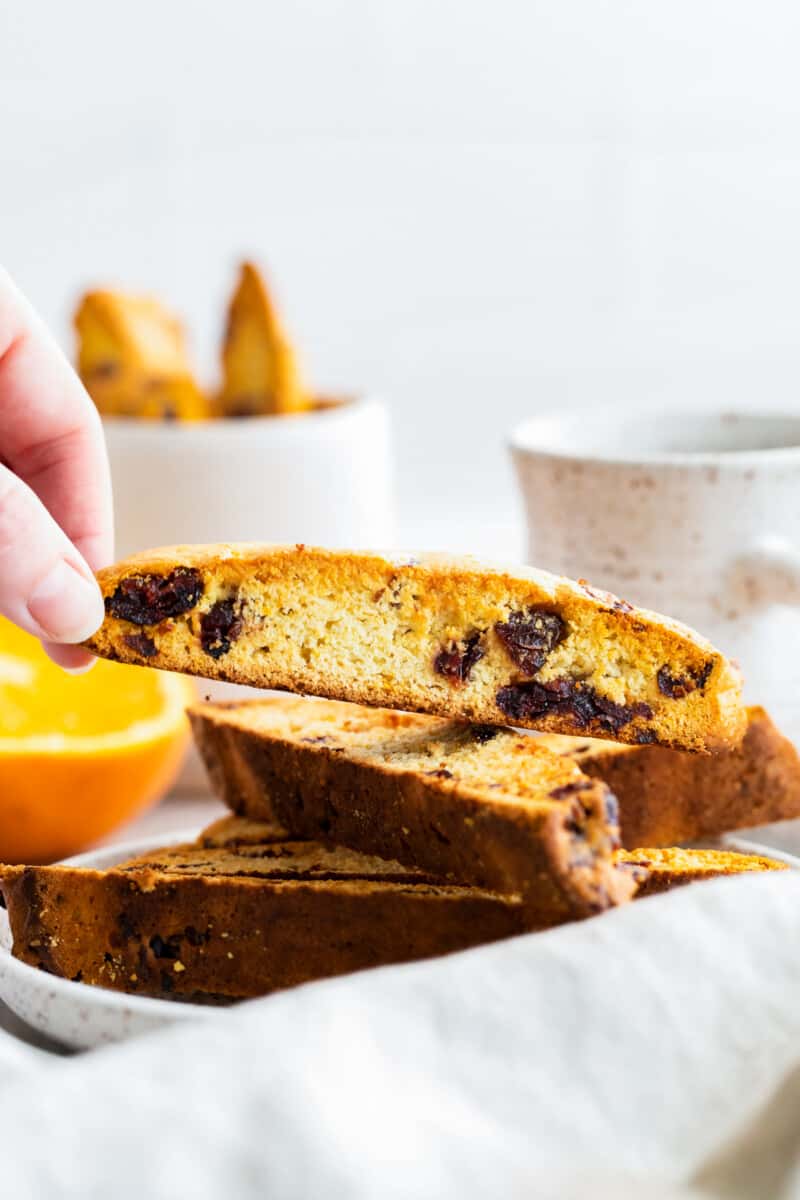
point(79, 755)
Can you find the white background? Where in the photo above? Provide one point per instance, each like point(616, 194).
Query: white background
point(478, 210)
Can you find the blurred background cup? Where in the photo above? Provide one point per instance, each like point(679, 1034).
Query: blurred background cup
point(323, 477)
point(692, 514)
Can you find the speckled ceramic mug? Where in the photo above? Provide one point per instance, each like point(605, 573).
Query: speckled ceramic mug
point(692, 514)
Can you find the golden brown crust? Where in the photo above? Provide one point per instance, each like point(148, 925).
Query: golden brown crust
point(474, 805)
point(667, 797)
point(260, 373)
point(132, 358)
point(240, 920)
point(661, 869)
point(431, 634)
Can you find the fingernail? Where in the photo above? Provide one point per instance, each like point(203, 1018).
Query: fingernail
point(65, 605)
point(78, 670)
point(72, 659)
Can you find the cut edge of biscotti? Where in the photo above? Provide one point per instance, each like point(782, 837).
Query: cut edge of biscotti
point(481, 805)
point(660, 869)
point(447, 636)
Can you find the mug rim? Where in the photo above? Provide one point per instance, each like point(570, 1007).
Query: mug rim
point(520, 438)
point(277, 427)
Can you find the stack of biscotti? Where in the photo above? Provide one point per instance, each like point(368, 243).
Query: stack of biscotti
point(459, 859)
point(449, 638)
point(246, 910)
point(474, 812)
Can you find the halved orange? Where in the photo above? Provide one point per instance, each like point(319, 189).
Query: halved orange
point(81, 754)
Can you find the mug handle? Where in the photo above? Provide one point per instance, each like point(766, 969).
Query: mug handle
point(768, 573)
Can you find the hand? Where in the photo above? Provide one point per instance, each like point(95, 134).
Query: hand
point(55, 489)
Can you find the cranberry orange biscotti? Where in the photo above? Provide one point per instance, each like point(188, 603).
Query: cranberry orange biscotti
point(241, 912)
point(446, 636)
point(473, 804)
point(660, 870)
point(667, 797)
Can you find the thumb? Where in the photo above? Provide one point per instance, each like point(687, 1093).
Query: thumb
point(46, 587)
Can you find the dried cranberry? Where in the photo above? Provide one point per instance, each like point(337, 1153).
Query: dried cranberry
point(646, 737)
point(141, 644)
point(437, 833)
point(148, 599)
point(245, 406)
point(143, 968)
point(607, 598)
point(104, 370)
point(702, 676)
point(613, 716)
point(611, 806)
point(219, 627)
point(678, 686)
point(529, 636)
point(194, 937)
point(526, 701)
point(126, 927)
point(485, 733)
point(568, 790)
point(456, 661)
point(522, 701)
point(165, 949)
point(590, 817)
point(674, 686)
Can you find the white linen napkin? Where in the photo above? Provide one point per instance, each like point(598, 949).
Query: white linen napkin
point(651, 1052)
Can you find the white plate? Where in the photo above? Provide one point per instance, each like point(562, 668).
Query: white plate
point(76, 1014)
point(759, 845)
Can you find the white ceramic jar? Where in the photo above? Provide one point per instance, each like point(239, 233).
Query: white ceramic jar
point(322, 477)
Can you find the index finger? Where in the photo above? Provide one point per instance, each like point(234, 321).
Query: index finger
point(50, 431)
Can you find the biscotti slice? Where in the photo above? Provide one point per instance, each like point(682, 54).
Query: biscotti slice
point(446, 636)
point(260, 372)
point(661, 869)
point(477, 805)
point(667, 797)
point(133, 360)
point(241, 913)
